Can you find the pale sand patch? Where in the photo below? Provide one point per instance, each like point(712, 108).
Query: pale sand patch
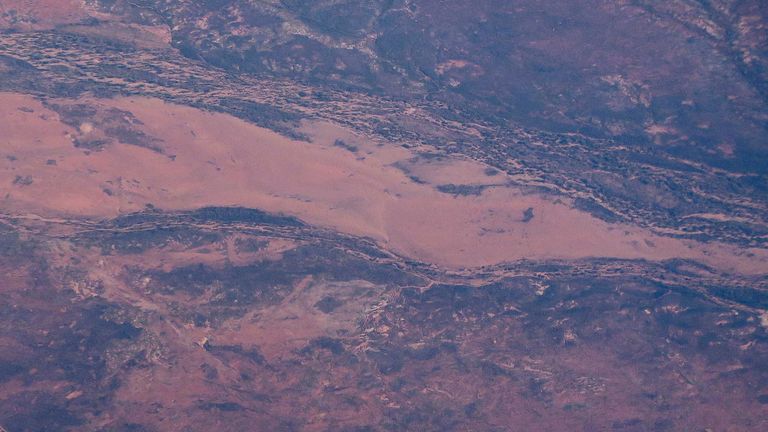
point(73, 16)
point(445, 171)
point(283, 328)
point(221, 160)
point(142, 36)
point(40, 14)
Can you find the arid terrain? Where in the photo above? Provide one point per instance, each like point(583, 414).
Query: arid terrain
point(383, 215)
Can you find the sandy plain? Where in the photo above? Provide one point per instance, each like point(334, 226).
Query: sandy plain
point(366, 188)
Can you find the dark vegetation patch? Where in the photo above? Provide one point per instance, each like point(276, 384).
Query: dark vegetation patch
point(209, 372)
point(328, 304)
point(129, 427)
point(37, 412)
point(129, 135)
point(9, 370)
point(465, 190)
point(220, 292)
point(137, 232)
point(624, 318)
point(250, 245)
point(595, 209)
point(343, 144)
point(252, 353)
point(407, 171)
point(528, 214)
point(13, 247)
point(224, 215)
point(265, 115)
point(332, 345)
point(110, 125)
point(752, 297)
point(20, 180)
point(58, 339)
point(388, 360)
point(141, 240)
point(339, 18)
point(242, 215)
